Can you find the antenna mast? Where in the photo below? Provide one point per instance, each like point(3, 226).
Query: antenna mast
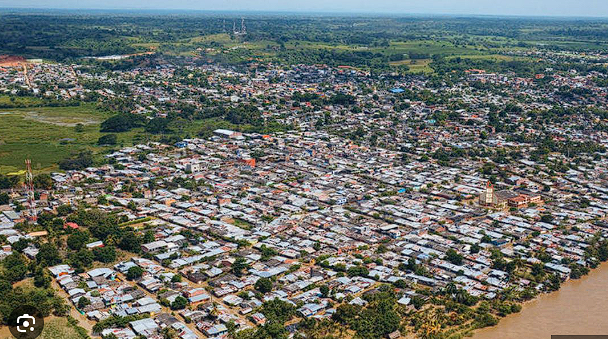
point(29, 183)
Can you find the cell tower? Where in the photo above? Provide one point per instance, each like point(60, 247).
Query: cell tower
point(29, 183)
point(243, 29)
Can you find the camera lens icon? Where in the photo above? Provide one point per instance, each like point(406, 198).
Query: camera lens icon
point(26, 322)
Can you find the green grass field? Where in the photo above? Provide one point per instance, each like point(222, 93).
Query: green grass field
point(46, 135)
point(54, 328)
point(6, 100)
point(431, 47)
point(39, 133)
point(415, 66)
point(260, 49)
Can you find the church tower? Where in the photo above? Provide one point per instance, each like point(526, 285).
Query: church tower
point(487, 197)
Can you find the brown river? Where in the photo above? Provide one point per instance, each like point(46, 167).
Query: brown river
point(579, 307)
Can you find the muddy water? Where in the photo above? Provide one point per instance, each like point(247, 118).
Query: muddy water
point(579, 307)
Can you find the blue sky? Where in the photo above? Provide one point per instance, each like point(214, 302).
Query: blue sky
point(593, 8)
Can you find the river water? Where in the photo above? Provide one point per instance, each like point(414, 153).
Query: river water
point(579, 307)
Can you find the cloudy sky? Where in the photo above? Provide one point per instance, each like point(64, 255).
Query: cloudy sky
point(593, 8)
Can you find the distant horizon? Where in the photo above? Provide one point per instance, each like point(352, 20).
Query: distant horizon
point(512, 8)
point(50, 10)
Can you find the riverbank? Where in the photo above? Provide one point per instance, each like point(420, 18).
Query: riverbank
point(578, 307)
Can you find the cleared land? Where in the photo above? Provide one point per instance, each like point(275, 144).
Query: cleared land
point(47, 135)
point(54, 328)
point(415, 65)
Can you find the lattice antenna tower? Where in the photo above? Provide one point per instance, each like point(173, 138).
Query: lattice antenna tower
point(29, 183)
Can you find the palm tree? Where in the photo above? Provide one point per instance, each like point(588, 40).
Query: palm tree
point(430, 327)
point(450, 289)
